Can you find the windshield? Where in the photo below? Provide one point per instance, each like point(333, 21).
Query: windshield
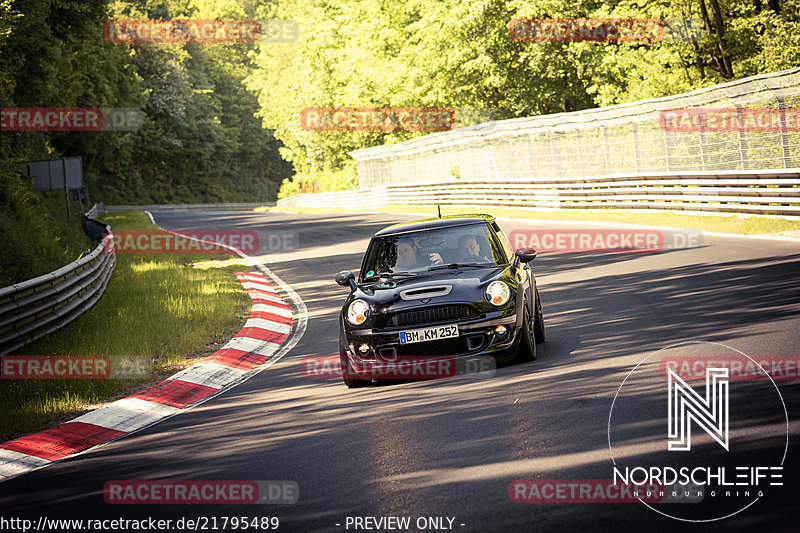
point(418, 251)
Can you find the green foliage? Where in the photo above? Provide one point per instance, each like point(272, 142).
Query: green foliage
point(458, 54)
point(36, 236)
point(201, 140)
point(775, 38)
point(207, 105)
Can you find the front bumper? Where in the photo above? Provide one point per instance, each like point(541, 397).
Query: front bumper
point(476, 338)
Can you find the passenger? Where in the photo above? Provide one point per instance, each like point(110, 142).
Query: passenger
point(469, 250)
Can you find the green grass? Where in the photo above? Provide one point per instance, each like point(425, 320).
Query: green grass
point(165, 311)
point(738, 225)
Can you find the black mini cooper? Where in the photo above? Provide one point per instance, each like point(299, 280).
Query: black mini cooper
point(447, 286)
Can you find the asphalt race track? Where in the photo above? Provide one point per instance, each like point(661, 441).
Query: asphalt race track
point(450, 448)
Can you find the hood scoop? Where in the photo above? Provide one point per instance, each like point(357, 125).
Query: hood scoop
point(429, 291)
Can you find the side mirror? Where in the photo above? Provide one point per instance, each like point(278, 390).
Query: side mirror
point(524, 255)
point(346, 278)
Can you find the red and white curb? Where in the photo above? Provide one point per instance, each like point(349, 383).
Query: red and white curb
point(259, 344)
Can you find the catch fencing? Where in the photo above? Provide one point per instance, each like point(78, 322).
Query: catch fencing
point(730, 148)
point(620, 140)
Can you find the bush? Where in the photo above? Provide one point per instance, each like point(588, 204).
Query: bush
point(37, 236)
point(323, 181)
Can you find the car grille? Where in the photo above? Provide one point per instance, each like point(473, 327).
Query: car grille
point(438, 348)
point(428, 315)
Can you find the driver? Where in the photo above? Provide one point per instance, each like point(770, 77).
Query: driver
point(408, 258)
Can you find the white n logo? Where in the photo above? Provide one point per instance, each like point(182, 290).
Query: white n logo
point(685, 405)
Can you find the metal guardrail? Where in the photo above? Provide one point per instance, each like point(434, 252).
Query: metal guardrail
point(38, 306)
point(185, 207)
point(766, 192)
point(352, 199)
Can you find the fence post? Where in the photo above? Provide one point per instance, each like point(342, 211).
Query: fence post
point(701, 133)
point(742, 139)
point(490, 162)
point(787, 158)
point(66, 191)
point(529, 168)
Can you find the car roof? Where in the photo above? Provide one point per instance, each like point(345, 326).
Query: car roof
point(447, 221)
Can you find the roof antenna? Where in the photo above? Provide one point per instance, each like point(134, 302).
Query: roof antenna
point(439, 208)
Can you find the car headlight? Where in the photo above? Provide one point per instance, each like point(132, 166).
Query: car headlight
point(357, 312)
point(498, 293)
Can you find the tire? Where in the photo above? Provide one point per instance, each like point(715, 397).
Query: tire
point(527, 343)
point(347, 370)
point(538, 322)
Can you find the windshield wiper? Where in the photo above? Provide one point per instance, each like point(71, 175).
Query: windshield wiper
point(457, 265)
point(394, 274)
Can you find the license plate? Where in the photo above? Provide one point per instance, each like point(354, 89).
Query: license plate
point(428, 334)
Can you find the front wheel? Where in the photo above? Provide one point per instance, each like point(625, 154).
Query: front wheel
point(348, 374)
point(538, 323)
point(527, 342)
